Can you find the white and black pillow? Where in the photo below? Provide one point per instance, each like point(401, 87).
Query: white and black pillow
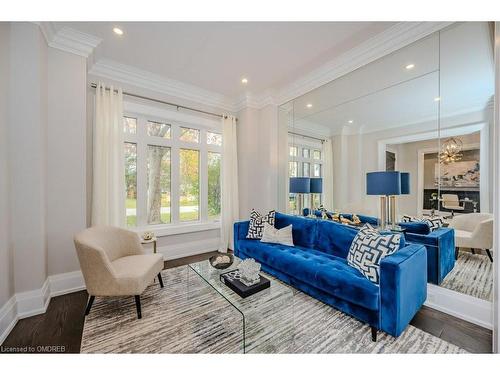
point(410, 219)
point(368, 249)
point(434, 222)
point(281, 236)
point(256, 227)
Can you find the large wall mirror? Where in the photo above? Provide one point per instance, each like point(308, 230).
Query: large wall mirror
point(426, 110)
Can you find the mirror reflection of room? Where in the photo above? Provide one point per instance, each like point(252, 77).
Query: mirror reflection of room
point(424, 113)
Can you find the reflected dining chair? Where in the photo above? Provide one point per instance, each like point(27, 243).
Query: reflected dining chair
point(451, 202)
point(113, 264)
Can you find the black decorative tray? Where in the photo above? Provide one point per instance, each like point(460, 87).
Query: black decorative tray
point(231, 279)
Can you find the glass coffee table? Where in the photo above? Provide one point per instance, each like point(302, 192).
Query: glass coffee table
point(267, 316)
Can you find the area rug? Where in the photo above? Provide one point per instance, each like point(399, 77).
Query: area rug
point(472, 275)
point(188, 316)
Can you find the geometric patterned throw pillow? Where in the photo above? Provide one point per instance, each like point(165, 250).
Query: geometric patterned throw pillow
point(368, 249)
point(256, 227)
point(434, 223)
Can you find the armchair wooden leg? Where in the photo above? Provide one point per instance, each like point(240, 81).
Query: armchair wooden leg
point(374, 334)
point(489, 255)
point(89, 305)
point(160, 279)
point(457, 250)
point(473, 251)
point(138, 306)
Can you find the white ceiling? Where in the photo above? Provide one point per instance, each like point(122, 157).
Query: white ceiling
point(216, 55)
point(457, 66)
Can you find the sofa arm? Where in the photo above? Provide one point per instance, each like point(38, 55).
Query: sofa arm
point(240, 233)
point(403, 287)
point(440, 246)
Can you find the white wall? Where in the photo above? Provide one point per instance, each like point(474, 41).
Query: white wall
point(66, 158)
point(27, 150)
point(6, 261)
point(258, 159)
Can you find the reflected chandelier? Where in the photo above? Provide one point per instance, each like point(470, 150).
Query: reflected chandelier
point(451, 150)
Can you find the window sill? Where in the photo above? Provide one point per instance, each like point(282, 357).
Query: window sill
point(162, 230)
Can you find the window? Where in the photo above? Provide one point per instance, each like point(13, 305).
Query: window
point(306, 169)
point(171, 176)
point(158, 185)
point(189, 189)
point(316, 170)
point(131, 183)
point(129, 125)
point(190, 135)
point(157, 129)
point(304, 160)
point(214, 197)
point(214, 139)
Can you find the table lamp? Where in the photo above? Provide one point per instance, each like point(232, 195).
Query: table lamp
point(300, 186)
point(316, 188)
point(387, 185)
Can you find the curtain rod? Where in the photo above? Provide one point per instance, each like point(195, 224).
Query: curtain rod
point(307, 136)
point(94, 85)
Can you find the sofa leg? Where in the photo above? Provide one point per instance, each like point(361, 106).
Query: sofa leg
point(160, 279)
point(138, 306)
point(473, 251)
point(374, 334)
point(489, 254)
point(457, 249)
point(89, 305)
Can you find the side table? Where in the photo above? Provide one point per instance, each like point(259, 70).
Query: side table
point(152, 240)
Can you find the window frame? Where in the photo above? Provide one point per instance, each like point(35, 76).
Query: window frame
point(143, 114)
point(312, 145)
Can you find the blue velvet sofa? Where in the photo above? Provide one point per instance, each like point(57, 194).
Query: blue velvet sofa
point(317, 265)
point(440, 245)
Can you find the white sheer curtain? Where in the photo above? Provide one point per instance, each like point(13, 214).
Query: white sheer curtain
point(108, 189)
point(328, 175)
point(229, 183)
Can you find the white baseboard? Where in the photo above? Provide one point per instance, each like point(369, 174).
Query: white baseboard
point(462, 306)
point(8, 318)
point(35, 302)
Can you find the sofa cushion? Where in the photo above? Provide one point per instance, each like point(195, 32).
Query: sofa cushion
point(368, 249)
point(256, 227)
point(324, 271)
point(134, 273)
point(334, 238)
point(303, 229)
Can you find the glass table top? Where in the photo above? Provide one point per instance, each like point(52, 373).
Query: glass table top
point(267, 316)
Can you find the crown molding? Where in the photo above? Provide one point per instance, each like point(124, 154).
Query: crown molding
point(390, 40)
point(127, 74)
point(69, 40)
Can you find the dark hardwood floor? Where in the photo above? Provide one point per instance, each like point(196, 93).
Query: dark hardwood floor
point(60, 328)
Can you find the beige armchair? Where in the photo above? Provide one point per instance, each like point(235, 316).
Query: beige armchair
point(474, 231)
point(113, 264)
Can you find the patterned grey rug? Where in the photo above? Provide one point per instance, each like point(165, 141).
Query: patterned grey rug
point(472, 275)
point(190, 317)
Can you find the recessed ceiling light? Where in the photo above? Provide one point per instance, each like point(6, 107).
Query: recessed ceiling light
point(244, 81)
point(309, 105)
point(350, 121)
point(117, 31)
point(437, 99)
point(410, 66)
